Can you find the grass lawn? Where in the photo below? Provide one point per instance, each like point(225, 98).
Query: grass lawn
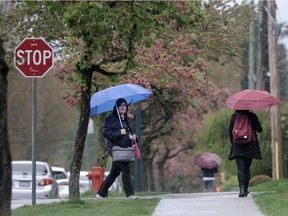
point(116, 205)
point(272, 198)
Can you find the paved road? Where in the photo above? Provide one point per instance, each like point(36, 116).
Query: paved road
point(190, 204)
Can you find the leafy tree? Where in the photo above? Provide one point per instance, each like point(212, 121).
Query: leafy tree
point(283, 69)
point(48, 117)
point(5, 155)
point(171, 66)
point(225, 29)
point(108, 45)
point(117, 52)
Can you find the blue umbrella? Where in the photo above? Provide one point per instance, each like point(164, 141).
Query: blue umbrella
point(104, 100)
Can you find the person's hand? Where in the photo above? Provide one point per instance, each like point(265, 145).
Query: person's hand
point(123, 131)
point(134, 137)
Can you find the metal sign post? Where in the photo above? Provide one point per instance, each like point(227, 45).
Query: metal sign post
point(33, 141)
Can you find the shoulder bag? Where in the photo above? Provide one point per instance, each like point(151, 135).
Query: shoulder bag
point(120, 154)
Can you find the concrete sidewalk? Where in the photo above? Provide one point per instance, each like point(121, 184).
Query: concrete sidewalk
point(206, 204)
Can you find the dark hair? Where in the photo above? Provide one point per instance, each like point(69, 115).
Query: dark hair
point(118, 103)
point(242, 111)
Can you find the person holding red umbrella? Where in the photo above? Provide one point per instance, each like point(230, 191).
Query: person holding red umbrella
point(245, 153)
point(208, 178)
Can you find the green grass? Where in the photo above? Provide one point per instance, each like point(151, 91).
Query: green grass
point(272, 198)
point(115, 205)
point(108, 207)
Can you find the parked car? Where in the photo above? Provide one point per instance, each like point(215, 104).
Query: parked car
point(46, 185)
point(84, 183)
point(62, 179)
point(59, 172)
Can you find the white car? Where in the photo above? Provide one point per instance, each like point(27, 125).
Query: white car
point(46, 185)
point(63, 181)
point(84, 183)
point(59, 172)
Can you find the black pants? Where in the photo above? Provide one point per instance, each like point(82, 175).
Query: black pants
point(116, 169)
point(243, 170)
point(208, 185)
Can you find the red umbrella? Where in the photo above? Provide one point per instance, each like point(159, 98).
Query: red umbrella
point(207, 160)
point(251, 100)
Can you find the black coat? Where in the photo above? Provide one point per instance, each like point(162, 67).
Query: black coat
point(112, 133)
point(251, 149)
point(209, 172)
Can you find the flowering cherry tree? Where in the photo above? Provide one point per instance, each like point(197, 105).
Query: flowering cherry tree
point(174, 68)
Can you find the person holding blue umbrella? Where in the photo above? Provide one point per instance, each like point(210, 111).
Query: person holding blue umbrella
point(118, 130)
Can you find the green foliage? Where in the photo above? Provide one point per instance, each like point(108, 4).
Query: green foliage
point(98, 23)
point(230, 184)
point(259, 179)
point(284, 122)
point(214, 138)
point(283, 70)
point(228, 24)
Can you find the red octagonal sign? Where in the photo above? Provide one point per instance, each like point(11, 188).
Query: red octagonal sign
point(33, 57)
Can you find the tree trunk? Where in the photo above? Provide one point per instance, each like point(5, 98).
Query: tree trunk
point(5, 155)
point(78, 149)
point(151, 175)
point(148, 175)
point(161, 177)
point(101, 145)
point(145, 175)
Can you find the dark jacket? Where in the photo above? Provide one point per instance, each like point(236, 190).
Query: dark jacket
point(249, 150)
point(209, 172)
point(111, 131)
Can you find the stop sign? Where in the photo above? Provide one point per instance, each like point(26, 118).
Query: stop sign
point(33, 57)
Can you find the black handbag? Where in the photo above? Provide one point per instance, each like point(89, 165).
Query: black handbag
point(120, 154)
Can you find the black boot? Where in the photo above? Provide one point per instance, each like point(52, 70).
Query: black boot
point(246, 191)
point(242, 191)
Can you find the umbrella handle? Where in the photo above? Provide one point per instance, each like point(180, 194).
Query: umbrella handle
point(119, 117)
point(268, 111)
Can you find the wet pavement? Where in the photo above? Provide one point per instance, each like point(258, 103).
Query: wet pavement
point(206, 204)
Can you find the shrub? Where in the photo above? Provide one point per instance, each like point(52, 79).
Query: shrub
point(259, 179)
point(231, 184)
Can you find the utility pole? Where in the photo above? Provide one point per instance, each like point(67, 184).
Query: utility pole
point(138, 163)
point(262, 26)
point(276, 134)
point(251, 75)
